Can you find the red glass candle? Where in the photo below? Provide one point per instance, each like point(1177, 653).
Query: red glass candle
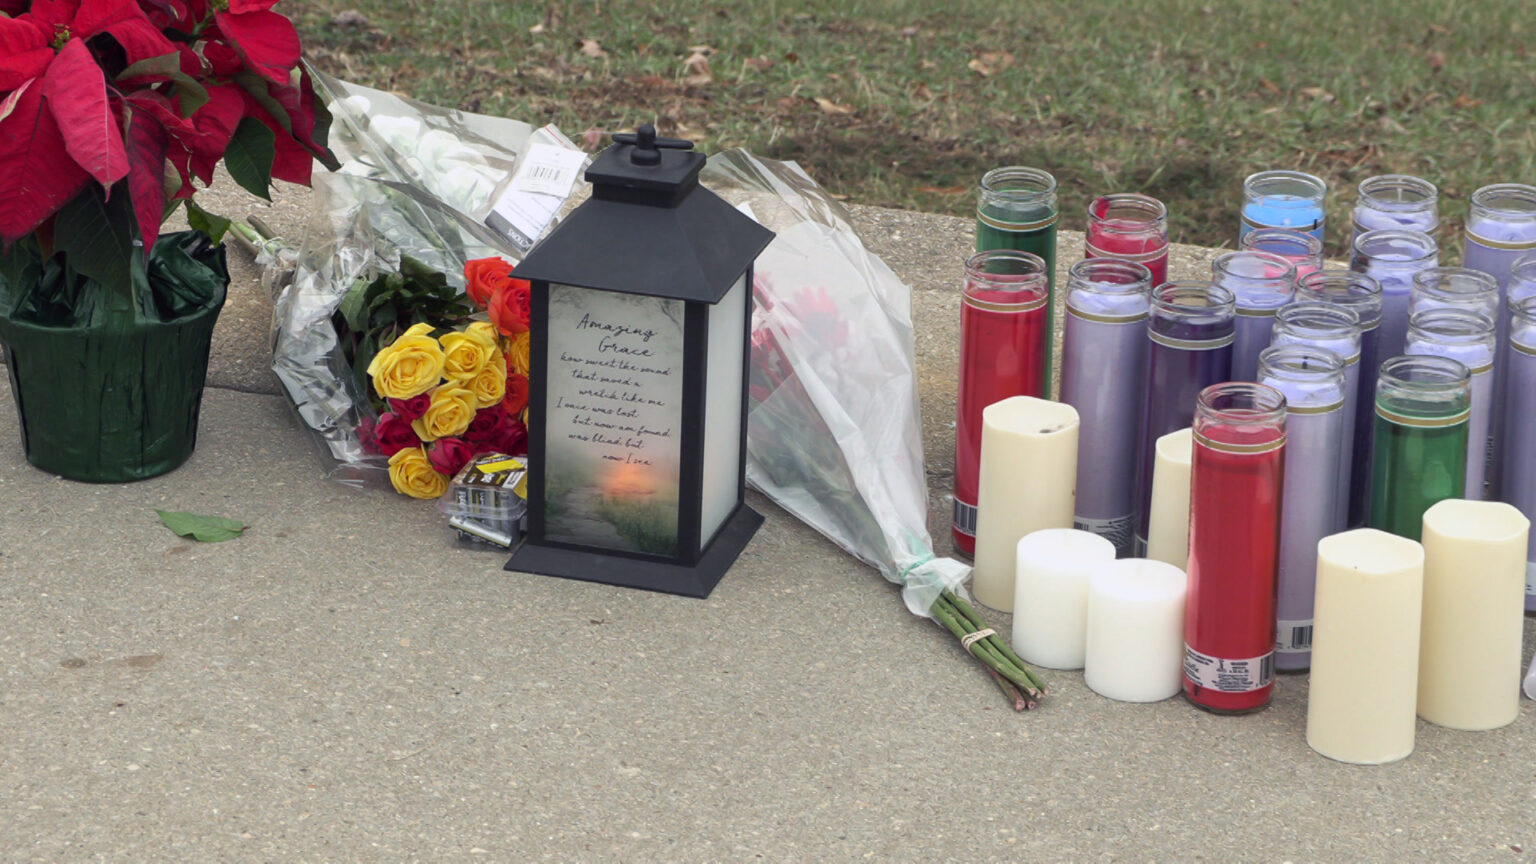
point(1002, 354)
point(1234, 529)
point(1130, 227)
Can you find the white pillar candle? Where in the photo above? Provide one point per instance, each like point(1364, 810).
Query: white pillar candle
point(1474, 605)
point(1168, 532)
point(1135, 650)
point(1028, 481)
point(1362, 696)
point(1050, 605)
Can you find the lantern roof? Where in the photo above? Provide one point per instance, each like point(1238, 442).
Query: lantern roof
point(649, 228)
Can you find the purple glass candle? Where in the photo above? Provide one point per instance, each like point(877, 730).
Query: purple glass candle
point(1454, 288)
point(1189, 347)
point(1261, 283)
point(1304, 251)
point(1312, 380)
point(1396, 202)
point(1468, 336)
point(1360, 294)
point(1335, 328)
point(1501, 226)
point(1391, 258)
point(1104, 353)
point(1518, 468)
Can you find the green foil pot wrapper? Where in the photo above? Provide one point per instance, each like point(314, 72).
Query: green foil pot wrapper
point(107, 386)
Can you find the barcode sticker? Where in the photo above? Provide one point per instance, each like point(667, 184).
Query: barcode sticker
point(965, 518)
point(1293, 637)
point(1228, 676)
point(539, 186)
point(1116, 531)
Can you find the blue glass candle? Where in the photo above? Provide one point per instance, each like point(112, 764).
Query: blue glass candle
point(1283, 199)
point(1335, 328)
point(1391, 258)
point(1360, 294)
point(1397, 202)
point(1261, 283)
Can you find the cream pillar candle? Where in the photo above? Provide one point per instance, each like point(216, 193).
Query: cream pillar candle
point(1168, 533)
point(1135, 650)
point(1474, 613)
point(1050, 605)
point(1362, 697)
point(1028, 481)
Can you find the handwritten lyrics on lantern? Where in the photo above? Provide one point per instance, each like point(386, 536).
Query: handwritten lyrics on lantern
point(615, 379)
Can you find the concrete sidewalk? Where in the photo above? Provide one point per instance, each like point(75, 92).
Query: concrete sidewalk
point(346, 683)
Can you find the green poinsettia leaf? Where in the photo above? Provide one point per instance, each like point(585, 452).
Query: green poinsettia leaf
point(204, 529)
point(199, 219)
point(96, 236)
point(250, 154)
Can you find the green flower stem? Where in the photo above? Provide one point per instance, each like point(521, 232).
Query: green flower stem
point(946, 615)
point(1001, 645)
point(1010, 692)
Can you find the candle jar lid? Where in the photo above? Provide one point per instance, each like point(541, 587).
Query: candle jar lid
point(1398, 193)
point(1454, 287)
point(1396, 246)
point(1297, 247)
point(1297, 186)
point(1311, 377)
point(1461, 334)
point(1006, 280)
point(1017, 188)
point(1109, 287)
point(1127, 214)
point(1240, 417)
point(1258, 280)
point(1424, 390)
point(1357, 292)
point(1324, 325)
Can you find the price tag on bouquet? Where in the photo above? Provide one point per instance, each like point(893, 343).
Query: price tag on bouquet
point(539, 186)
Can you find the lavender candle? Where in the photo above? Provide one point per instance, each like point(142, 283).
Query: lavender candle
point(1454, 288)
point(1312, 380)
point(1467, 336)
point(1334, 328)
point(1391, 258)
point(1501, 226)
point(1261, 283)
point(1360, 294)
point(1304, 251)
point(1189, 332)
point(1397, 202)
point(1104, 353)
point(1283, 199)
point(1517, 472)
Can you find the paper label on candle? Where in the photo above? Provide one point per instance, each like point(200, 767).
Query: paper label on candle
point(965, 518)
point(1116, 531)
point(1293, 637)
point(1228, 676)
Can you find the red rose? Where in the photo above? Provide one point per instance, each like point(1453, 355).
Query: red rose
point(517, 396)
point(486, 430)
point(448, 455)
point(515, 441)
point(509, 307)
point(394, 433)
point(412, 408)
point(483, 276)
point(366, 436)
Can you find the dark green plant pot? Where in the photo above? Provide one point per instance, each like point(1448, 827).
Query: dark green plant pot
point(115, 397)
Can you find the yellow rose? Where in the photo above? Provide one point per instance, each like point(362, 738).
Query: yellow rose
point(491, 384)
point(465, 354)
point(409, 366)
point(412, 474)
point(518, 352)
point(449, 414)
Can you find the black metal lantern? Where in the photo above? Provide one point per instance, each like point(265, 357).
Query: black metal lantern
point(640, 318)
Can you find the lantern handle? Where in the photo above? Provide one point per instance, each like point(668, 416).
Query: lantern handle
point(647, 147)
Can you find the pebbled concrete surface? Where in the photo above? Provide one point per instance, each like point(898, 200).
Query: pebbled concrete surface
point(346, 683)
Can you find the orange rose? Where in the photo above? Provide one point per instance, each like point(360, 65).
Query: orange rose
point(509, 307)
point(517, 355)
point(516, 398)
point(483, 276)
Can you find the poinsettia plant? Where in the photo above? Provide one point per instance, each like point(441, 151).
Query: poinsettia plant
point(114, 112)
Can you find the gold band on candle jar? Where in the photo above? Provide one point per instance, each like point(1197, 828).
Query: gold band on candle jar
point(1486, 367)
point(1193, 344)
point(1501, 244)
point(1138, 257)
point(1315, 409)
point(1422, 422)
point(1258, 312)
point(1106, 319)
point(1005, 307)
point(1241, 449)
point(1016, 226)
point(1523, 348)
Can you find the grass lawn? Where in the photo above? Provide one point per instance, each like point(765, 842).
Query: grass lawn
point(905, 103)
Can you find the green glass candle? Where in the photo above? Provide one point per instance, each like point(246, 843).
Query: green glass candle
point(1422, 407)
point(1017, 209)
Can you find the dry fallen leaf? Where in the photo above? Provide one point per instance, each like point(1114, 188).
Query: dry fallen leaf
point(944, 190)
point(989, 63)
point(591, 48)
point(1269, 86)
point(1436, 60)
point(698, 70)
point(1464, 102)
point(922, 92)
point(536, 29)
point(761, 64)
point(909, 32)
point(701, 49)
point(830, 107)
point(1317, 93)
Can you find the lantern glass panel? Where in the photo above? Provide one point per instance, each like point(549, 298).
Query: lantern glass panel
point(722, 410)
point(613, 425)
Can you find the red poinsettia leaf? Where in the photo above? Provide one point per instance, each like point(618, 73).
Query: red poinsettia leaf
point(18, 69)
point(140, 39)
point(8, 104)
point(99, 16)
point(251, 5)
point(215, 123)
point(76, 93)
point(20, 35)
point(291, 161)
point(47, 13)
point(266, 40)
point(37, 176)
point(13, 7)
point(146, 142)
